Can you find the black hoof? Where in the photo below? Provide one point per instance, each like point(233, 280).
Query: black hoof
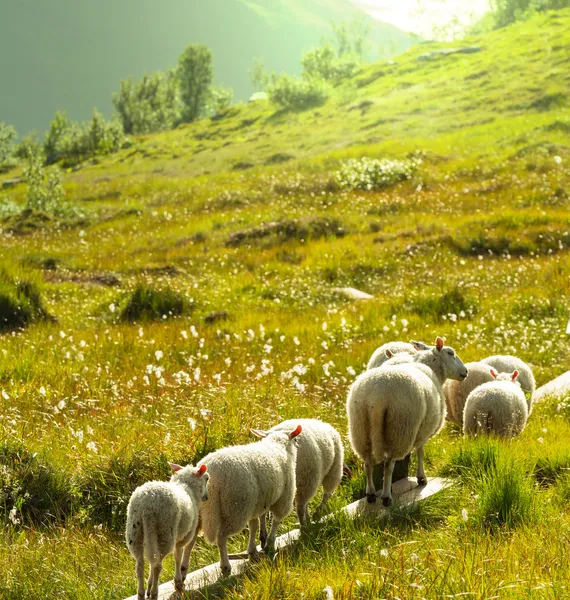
point(371, 498)
point(386, 501)
point(422, 480)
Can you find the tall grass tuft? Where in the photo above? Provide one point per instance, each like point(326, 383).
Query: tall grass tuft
point(506, 497)
point(32, 491)
point(149, 304)
point(20, 300)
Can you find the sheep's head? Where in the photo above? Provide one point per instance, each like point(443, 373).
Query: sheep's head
point(282, 437)
point(452, 365)
point(505, 376)
point(192, 476)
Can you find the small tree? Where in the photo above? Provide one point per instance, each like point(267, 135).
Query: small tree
point(45, 192)
point(149, 105)
point(57, 129)
point(322, 62)
point(7, 139)
point(351, 37)
point(259, 75)
point(195, 76)
point(220, 99)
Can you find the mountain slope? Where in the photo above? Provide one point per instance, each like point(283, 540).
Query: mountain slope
point(69, 54)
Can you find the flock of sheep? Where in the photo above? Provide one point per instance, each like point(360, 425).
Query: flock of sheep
point(394, 407)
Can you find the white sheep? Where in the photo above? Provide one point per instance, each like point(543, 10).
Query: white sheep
point(245, 482)
point(508, 364)
point(320, 457)
point(456, 392)
point(162, 517)
point(497, 407)
point(387, 351)
point(394, 410)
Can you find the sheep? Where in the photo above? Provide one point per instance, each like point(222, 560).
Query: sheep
point(162, 517)
point(245, 482)
point(320, 456)
point(508, 364)
point(396, 409)
point(456, 392)
point(386, 351)
point(496, 407)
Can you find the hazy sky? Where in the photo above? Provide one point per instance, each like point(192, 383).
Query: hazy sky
point(422, 16)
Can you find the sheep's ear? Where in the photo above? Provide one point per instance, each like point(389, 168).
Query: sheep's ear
point(259, 433)
point(201, 470)
point(439, 343)
point(419, 345)
point(514, 375)
point(295, 432)
point(388, 353)
point(493, 373)
point(175, 468)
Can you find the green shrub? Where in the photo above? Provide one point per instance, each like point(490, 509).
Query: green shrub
point(45, 192)
point(297, 94)
point(20, 301)
point(7, 140)
point(509, 11)
point(323, 62)
point(220, 99)
point(148, 304)
point(31, 490)
point(152, 104)
point(372, 173)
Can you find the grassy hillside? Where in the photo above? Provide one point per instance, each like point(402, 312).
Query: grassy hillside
point(244, 219)
point(68, 55)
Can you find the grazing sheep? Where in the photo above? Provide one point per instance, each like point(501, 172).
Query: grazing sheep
point(497, 407)
point(456, 392)
point(508, 364)
point(245, 482)
point(386, 351)
point(320, 456)
point(162, 517)
point(396, 409)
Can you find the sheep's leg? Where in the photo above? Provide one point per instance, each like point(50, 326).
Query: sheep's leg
point(272, 534)
point(370, 490)
point(263, 530)
point(387, 489)
point(252, 543)
point(420, 473)
point(140, 578)
point(225, 565)
point(155, 575)
point(186, 556)
point(178, 579)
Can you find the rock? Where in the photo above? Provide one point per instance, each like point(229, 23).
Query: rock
point(448, 51)
point(10, 183)
point(352, 293)
point(258, 96)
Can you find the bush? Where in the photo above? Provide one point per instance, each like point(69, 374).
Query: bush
point(45, 192)
point(147, 304)
point(297, 94)
point(323, 62)
point(31, 490)
point(20, 301)
point(152, 104)
point(7, 140)
point(195, 75)
point(509, 11)
point(76, 142)
point(372, 173)
point(220, 99)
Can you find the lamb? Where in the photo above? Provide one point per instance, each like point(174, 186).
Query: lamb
point(497, 407)
point(320, 456)
point(245, 482)
point(162, 517)
point(508, 364)
point(396, 409)
point(456, 392)
point(386, 351)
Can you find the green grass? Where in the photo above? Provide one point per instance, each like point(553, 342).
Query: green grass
point(474, 247)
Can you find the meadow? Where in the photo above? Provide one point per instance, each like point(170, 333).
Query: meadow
point(238, 230)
